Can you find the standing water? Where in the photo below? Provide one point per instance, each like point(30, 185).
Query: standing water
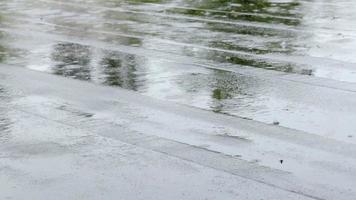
point(275, 61)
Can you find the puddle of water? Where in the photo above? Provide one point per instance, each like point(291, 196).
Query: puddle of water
point(175, 50)
point(5, 121)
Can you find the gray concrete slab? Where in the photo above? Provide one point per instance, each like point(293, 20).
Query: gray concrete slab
point(47, 124)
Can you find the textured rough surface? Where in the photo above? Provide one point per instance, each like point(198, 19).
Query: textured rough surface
point(75, 140)
point(177, 99)
point(261, 60)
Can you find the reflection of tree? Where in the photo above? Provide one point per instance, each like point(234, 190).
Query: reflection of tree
point(221, 86)
point(243, 10)
point(2, 51)
point(245, 6)
point(72, 60)
point(5, 122)
point(227, 86)
point(231, 10)
point(120, 70)
point(2, 48)
point(272, 40)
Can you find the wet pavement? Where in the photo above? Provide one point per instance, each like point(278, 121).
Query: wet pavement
point(256, 93)
point(229, 57)
point(76, 140)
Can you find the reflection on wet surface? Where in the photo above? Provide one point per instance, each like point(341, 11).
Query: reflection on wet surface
point(2, 48)
point(5, 122)
point(120, 70)
point(179, 50)
point(71, 60)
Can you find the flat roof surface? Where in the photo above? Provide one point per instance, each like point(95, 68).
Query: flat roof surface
point(69, 139)
point(106, 99)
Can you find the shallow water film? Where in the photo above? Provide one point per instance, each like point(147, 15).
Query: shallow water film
point(227, 56)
